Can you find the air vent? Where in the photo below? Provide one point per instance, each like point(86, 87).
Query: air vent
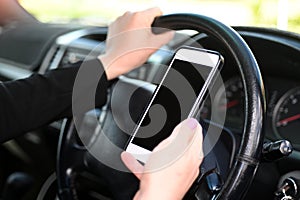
point(52, 58)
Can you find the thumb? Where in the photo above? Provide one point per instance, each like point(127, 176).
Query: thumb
point(132, 164)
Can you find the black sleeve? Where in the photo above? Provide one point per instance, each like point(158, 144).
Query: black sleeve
point(30, 103)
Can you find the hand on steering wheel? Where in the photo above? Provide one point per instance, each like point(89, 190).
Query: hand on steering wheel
point(130, 42)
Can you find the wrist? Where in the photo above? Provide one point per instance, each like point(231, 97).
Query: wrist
point(107, 65)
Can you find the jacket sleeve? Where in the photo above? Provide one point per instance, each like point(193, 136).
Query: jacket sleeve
point(30, 103)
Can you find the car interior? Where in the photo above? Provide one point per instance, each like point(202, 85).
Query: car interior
point(257, 154)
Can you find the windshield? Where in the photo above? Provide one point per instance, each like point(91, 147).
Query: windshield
point(283, 14)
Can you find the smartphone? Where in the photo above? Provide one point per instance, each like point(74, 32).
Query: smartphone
point(179, 95)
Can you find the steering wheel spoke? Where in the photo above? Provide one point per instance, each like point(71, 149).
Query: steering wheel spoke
point(69, 163)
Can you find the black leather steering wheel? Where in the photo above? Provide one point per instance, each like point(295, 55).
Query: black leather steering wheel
point(73, 158)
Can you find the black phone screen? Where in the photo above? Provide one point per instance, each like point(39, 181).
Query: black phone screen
point(176, 96)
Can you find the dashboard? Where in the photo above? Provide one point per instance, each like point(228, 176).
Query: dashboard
point(277, 53)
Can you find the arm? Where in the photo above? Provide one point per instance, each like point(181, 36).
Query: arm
point(36, 101)
point(30, 103)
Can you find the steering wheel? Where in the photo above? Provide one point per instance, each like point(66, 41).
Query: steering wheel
point(73, 158)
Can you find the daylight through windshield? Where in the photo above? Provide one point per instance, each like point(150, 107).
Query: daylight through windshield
point(282, 14)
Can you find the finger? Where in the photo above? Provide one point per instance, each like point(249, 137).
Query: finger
point(152, 12)
point(158, 40)
point(181, 136)
point(132, 164)
point(187, 130)
point(194, 151)
point(163, 144)
point(149, 15)
point(187, 139)
point(191, 135)
point(178, 145)
point(197, 144)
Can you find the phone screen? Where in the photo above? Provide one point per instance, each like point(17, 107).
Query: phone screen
point(176, 109)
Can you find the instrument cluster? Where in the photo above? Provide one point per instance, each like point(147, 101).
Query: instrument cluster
point(283, 108)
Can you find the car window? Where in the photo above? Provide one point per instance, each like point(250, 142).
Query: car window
point(271, 13)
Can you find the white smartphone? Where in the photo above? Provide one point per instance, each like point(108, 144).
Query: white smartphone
point(179, 95)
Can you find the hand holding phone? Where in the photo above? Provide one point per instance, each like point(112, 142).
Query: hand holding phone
point(167, 183)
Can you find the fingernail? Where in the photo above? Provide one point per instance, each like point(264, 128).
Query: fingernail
point(192, 123)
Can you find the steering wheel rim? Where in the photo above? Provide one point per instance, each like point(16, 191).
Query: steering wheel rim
point(249, 154)
point(247, 159)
